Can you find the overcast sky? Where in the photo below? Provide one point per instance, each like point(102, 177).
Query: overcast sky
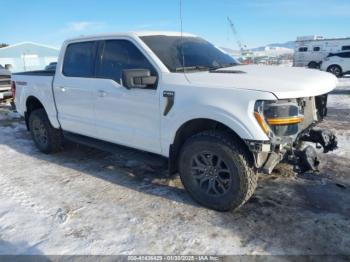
point(257, 22)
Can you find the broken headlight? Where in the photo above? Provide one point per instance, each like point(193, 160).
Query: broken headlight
point(279, 118)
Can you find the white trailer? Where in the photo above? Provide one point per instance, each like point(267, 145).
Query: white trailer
point(311, 50)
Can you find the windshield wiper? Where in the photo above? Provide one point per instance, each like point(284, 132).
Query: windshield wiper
point(192, 68)
point(203, 68)
point(223, 66)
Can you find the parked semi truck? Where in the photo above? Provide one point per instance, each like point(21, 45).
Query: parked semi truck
point(219, 123)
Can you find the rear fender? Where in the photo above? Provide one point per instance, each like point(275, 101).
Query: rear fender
point(43, 93)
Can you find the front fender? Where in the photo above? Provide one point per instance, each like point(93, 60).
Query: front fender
point(242, 123)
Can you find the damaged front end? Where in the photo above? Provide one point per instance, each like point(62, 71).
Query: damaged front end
point(306, 159)
point(291, 126)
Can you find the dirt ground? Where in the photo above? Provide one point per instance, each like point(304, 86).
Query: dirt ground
point(85, 201)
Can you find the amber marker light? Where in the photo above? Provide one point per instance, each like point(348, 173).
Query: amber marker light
point(285, 120)
point(261, 122)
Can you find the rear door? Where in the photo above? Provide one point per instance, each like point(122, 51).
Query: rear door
point(74, 88)
point(124, 116)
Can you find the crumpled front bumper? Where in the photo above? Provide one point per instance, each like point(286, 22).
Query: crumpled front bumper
point(306, 159)
point(303, 158)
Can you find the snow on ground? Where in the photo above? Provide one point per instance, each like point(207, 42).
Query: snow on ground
point(344, 82)
point(85, 201)
point(339, 112)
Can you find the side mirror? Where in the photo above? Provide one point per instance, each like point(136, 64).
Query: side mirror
point(138, 78)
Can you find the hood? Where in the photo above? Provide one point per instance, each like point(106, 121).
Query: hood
point(283, 82)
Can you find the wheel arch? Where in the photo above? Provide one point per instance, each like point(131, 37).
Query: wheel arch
point(192, 127)
point(32, 103)
point(335, 65)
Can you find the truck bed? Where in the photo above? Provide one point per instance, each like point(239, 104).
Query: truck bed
point(38, 85)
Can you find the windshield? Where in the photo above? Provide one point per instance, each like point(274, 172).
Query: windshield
point(1, 67)
point(198, 54)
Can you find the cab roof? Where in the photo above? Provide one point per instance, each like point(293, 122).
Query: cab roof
point(130, 34)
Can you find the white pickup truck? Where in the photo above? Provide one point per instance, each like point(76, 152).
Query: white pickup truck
point(218, 122)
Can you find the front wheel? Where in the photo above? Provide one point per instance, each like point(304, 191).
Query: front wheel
point(335, 70)
point(216, 171)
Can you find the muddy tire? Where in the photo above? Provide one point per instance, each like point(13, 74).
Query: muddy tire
point(335, 70)
point(216, 171)
point(46, 138)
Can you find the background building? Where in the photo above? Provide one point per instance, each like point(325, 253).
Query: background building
point(27, 56)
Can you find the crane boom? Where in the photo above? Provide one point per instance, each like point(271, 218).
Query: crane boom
point(235, 34)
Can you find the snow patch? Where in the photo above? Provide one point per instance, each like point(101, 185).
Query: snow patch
point(344, 82)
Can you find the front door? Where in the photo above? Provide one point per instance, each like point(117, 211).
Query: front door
point(129, 117)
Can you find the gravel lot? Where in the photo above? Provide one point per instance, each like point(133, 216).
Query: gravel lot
point(85, 201)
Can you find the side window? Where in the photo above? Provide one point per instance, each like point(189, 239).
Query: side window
point(302, 49)
point(79, 59)
point(316, 48)
point(118, 55)
point(343, 55)
point(346, 54)
point(345, 47)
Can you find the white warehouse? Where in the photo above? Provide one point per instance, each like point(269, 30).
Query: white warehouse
point(27, 56)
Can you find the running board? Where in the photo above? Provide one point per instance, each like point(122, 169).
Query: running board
point(151, 159)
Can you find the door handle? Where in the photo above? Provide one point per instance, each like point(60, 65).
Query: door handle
point(63, 89)
point(102, 93)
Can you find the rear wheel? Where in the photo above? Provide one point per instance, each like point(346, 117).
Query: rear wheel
point(335, 70)
point(46, 138)
point(313, 65)
point(216, 171)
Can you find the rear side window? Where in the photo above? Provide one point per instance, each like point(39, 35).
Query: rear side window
point(118, 55)
point(317, 48)
point(79, 59)
point(302, 49)
point(345, 47)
